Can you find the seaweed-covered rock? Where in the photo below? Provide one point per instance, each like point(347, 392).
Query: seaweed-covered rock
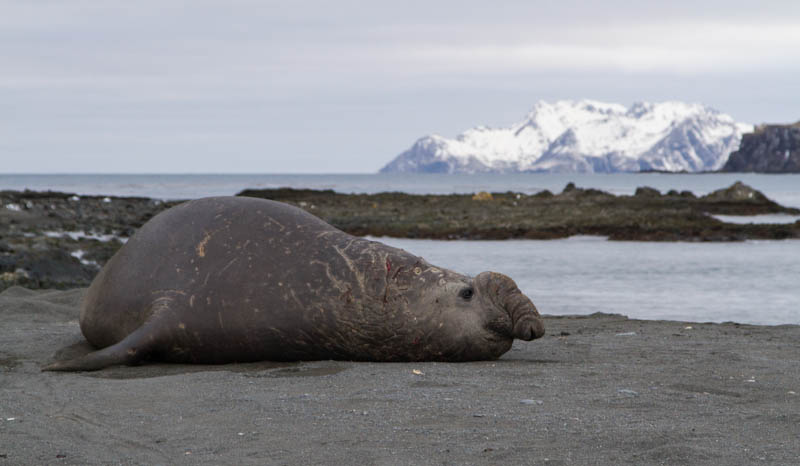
point(648, 216)
point(740, 199)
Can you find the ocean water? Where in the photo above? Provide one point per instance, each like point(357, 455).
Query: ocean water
point(751, 282)
point(748, 282)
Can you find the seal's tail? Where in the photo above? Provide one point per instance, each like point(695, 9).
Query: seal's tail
point(131, 350)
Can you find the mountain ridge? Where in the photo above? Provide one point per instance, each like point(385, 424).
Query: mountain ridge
point(584, 136)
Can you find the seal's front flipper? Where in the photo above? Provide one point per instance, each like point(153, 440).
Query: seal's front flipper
point(131, 350)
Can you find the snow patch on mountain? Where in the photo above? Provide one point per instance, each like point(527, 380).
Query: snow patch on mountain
point(585, 136)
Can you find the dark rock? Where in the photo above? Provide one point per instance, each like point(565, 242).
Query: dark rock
point(285, 194)
point(769, 149)
point(44, 269)
point(737, 192)
point(647, 191)
point(571, 191)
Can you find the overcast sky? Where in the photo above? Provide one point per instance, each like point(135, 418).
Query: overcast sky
point(343, 86)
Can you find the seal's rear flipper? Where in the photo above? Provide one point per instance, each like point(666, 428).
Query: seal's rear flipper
point(131, 350)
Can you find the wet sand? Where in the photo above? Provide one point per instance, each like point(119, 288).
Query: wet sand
point(601, 389)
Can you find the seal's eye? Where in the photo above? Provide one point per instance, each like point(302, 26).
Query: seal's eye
point(466, 293)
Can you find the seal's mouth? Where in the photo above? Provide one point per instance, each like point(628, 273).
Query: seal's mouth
point(500, 329)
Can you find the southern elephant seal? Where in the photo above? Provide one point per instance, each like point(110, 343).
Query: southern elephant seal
point(236, 279)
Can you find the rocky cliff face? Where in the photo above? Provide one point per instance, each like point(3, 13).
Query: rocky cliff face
point(770, 149)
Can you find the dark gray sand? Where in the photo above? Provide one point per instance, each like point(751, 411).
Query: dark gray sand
point(601, 389)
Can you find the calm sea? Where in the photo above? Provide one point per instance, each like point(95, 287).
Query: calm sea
point(751, 282)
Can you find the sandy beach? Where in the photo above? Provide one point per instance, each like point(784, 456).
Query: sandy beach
point(600, 389)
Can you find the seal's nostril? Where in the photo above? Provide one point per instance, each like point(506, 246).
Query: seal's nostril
point(529, 328)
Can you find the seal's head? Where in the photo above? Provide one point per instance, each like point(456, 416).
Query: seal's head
point(481, 316)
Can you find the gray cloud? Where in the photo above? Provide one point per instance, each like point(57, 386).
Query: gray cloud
point(343, 86)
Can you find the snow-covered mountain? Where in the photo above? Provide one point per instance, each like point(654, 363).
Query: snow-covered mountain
point(585, 136)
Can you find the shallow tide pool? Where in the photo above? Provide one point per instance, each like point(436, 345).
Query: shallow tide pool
point(758, 219)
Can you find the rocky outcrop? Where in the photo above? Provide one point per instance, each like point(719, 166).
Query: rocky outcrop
point(60, 240)
point(648, 215)
point(769, 149)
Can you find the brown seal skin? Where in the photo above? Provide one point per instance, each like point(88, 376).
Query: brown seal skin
point(235, 279)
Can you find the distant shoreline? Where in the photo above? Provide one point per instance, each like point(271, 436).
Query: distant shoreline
point(782, 189)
